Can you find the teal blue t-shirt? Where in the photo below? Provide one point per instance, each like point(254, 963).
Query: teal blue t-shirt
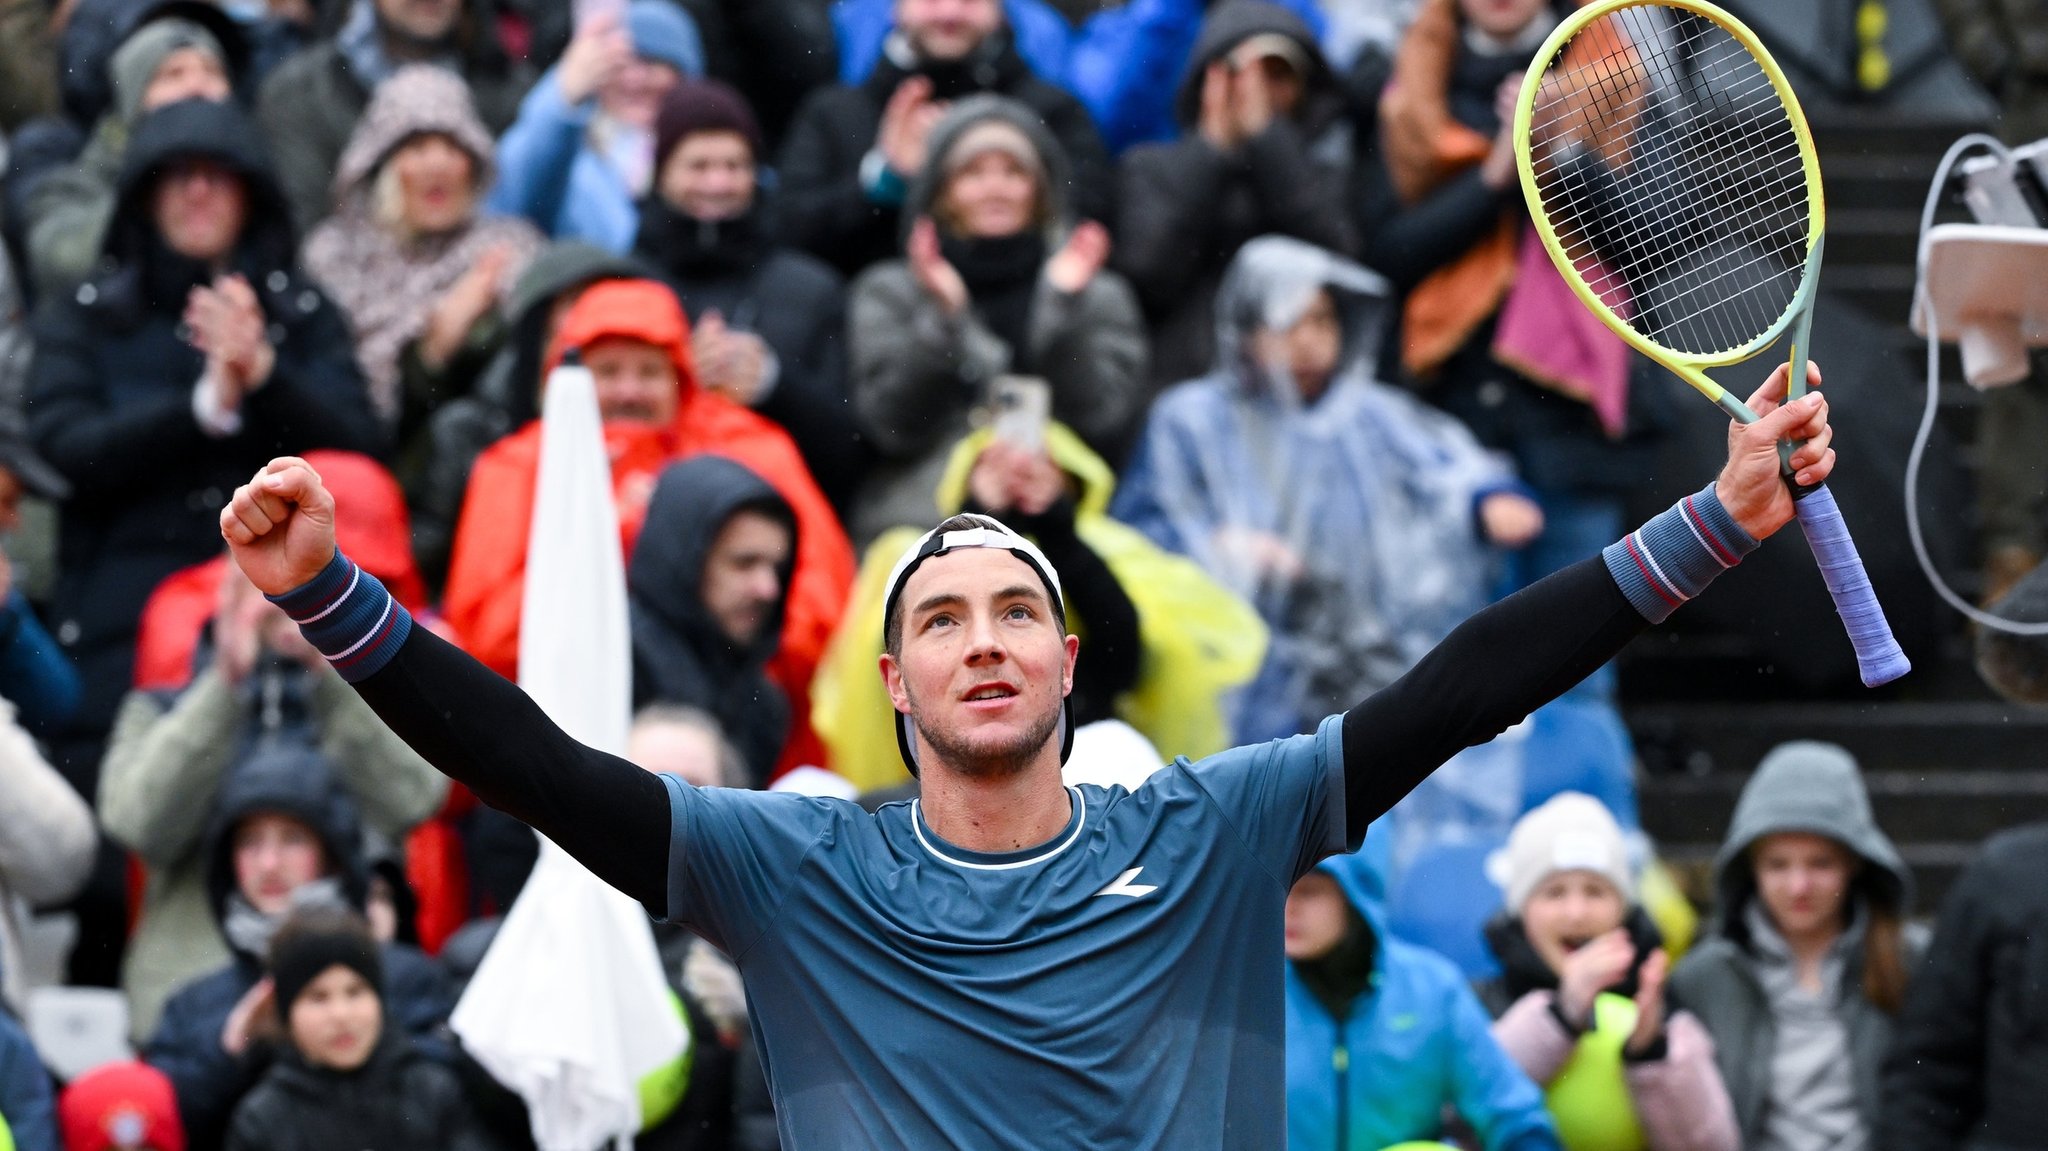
point(1117, 987)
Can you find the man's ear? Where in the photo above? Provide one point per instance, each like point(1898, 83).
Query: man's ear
point(899, 695)
point(1073, 653)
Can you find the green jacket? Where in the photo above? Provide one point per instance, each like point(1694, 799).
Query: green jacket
point(165, 763)
point(67, 216)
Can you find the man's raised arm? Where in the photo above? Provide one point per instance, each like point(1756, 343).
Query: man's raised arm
point(466, 720)
point(1528, 649)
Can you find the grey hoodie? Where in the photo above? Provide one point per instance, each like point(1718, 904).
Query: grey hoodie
point(1793, 1065)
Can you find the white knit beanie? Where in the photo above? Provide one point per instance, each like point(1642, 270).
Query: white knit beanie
point(1570, 832)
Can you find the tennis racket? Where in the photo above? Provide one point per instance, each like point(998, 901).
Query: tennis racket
point(1671, 175)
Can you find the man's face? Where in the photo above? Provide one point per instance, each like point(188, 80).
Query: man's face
point(336, 1020)
point(710, 176)
point(679, 749)
point(947, 29)
point(636, 381)
point(11, 493)
point(275, 855)
point(199, 207)
point(742, 581)
point(983, 664)
point(186, 74)
point(1502, 18)
point(426, 21)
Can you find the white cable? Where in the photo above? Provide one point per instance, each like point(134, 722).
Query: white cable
point(1920, 438)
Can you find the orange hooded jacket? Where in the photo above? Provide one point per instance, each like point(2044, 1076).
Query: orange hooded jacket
point(487, 575)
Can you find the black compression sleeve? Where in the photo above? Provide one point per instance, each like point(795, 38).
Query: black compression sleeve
point(484, 732)
point(1489, 673)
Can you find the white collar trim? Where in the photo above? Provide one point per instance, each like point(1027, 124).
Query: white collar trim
point(917, 826)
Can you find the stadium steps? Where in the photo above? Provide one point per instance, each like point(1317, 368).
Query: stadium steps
point(1943, 776)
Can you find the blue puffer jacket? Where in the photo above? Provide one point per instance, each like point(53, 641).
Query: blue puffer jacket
point(1414, 1043)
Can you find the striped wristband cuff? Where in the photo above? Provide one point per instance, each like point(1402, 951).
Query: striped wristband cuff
point(1673, 557)
point(347, 615)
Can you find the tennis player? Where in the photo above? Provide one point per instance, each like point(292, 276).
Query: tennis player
point(1007, 961)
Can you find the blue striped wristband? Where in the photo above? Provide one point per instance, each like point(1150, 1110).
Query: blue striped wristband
point(1673, 557)
point(346, 614)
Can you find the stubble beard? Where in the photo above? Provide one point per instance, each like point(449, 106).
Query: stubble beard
point(981, 762)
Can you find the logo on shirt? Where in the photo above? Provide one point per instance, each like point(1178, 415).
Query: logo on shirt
point(1124, 886)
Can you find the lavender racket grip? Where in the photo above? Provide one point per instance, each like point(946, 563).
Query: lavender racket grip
point(1877, 653)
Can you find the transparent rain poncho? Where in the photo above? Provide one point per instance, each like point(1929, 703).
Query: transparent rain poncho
point(1349, 521)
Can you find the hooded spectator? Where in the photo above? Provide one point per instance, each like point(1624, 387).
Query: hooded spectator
point(998, 279)
point(632, 336)
point(126, 1106)
point(769, 322)
point(707, 584)
point(1265, 148)
point(345, 1075)
point(28, 1112)
point(309, 106)
point(854, 150)
point(46, 847)
point(160, 63)
point(281, 835)
point(1162, 643)
point(488, 397)
point(1581, 1003)
point(1807, 964)
point(262, 700)
point(582, 153)
point(1355, 517)
point(1385, 1042)
point(408, 255)
point(1488, 326)
point(1968, 1064)
point(197, 355)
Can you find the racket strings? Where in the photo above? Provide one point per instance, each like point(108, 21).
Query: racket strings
point(1669, 165)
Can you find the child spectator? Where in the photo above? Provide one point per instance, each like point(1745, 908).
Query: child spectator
point(1807, 964)
point(282, 835)
point(1352, 515)
point(998, 278)
point(1580, 1002)
point(1385, 1042)
point(344, 1076)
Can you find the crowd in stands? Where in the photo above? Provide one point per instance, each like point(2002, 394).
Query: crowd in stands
point(1232, 306)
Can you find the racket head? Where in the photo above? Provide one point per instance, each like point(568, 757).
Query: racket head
point(1672, 177)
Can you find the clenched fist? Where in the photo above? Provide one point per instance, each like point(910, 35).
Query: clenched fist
point(280, 526)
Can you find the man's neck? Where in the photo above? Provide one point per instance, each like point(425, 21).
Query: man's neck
point(1006, 813)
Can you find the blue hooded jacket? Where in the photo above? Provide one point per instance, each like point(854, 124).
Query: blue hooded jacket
point(1417, 1041)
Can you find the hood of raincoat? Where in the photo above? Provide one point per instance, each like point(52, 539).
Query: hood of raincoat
point(692, 502)
point(1814, 787)
point(643, 310)
point(1270, 284)
point(1056, 214)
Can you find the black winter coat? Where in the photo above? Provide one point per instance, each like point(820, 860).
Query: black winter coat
point(824, 209)
point(110, 400)
point(794, 302)
point(398, 1101)
point(1968, 1066)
